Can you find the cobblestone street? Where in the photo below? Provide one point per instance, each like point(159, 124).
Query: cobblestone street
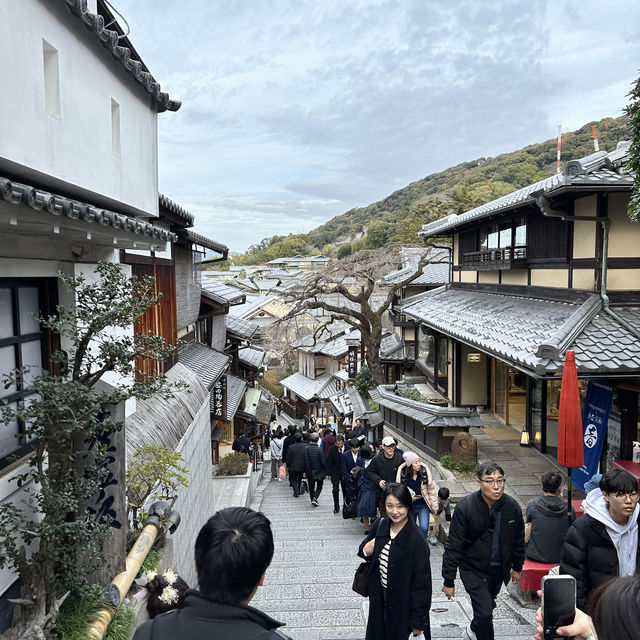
point(308, 585)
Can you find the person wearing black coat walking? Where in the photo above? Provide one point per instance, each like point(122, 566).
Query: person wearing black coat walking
point(486, 542)
point(315, 468)
point(384, 468)
point(295, 462)
point(334, 469)
point(400, 574)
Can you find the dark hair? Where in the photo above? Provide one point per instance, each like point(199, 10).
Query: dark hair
point(551, 481)
point(443, 493)
point(340, 437)
point(297, 437)
point(354, 442)
point(614, 608)
point(618, 480)
point(233, 550)
point(365, 452)
point(156, 606)
point(400, 492)
point(487, 468)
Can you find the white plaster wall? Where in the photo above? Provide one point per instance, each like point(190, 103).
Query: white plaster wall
point(195, 503)
point(75, 148)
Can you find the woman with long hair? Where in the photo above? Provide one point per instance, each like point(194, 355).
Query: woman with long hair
point(399, 575)
point(416, 475)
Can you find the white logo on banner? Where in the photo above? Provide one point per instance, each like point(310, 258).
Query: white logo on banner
point(591, 436)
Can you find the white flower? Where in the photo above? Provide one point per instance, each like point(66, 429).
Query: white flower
point(169, 595)
point(151, 575)
point(170, 576)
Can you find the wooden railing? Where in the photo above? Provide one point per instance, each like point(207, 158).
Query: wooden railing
point(495, 258)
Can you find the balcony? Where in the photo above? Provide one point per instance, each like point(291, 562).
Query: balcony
point(494, 259)
point(399, 319)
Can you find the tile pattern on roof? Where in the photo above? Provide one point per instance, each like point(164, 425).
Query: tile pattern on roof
point(323, 386)
point(208, 363)
point(109, 39)
point(221, 292)
point(513, 328)
point(252, 357)
point(176, 209)
point(596, 169)
point(239, 327)
point(235, 391)
point(17, 193)
point(427, 414)
point(207, 243)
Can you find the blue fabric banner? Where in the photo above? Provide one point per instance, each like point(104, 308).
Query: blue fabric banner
point(595, 417)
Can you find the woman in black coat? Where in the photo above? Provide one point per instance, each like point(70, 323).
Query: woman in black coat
point(399, 558)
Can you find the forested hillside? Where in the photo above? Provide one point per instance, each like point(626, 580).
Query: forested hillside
point(400, 216)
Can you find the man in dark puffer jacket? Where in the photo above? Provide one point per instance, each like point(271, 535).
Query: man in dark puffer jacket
point(233, 551)
point(486, 541)
point(605, 542)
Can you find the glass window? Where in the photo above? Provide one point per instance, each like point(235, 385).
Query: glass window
point(521, 232)
point(6, 316)
point(9, 433)
point(32, 358)
point(492, 239)
point(505, 237)
point(7, 365)
point(29, 310)
point(426, 345)
point(484, 239)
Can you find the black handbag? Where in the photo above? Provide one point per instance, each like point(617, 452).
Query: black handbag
point(361, 579)
point(349, 510)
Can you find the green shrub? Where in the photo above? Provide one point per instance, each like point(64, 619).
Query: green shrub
point(373, 405)
point(364, 381)
point(233, 464)
point(78, 611)
point(151, 562)
point(460, 467)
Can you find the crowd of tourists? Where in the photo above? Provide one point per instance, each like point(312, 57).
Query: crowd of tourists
point(394, 495)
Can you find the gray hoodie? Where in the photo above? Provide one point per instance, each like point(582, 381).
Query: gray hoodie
point(623, 536)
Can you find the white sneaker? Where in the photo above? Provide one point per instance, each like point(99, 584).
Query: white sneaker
point(469, 634)
point(279, 479)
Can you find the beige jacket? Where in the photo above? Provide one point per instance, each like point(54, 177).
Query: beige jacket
point(429, 492)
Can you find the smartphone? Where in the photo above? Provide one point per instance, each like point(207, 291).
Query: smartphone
point(558, 603)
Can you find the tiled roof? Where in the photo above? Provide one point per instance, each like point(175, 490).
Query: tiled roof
point(196, 238)
point(252, 357)
point(392, 347)
point(323, 386)
point(598, 169)
point(208, 363)
point(436, 271)
point(235, 391)
point(244, 329)
point(176, 209)
point(220, 292)
point(265, 408)
point(333, 347)
point(361, 408)
point(17, 193)
point(110, 40)
point(427, 414)
point(530, 333)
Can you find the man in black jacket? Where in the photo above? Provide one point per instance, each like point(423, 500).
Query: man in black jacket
point(295, 462)
point(547, 517)
point(233, 550)
point(334, 469)
point(486, 542)
point(315, 467)
point(384, 467)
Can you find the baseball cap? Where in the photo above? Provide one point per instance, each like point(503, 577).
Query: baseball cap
point(387, 441)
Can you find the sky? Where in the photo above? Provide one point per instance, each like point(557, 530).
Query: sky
point(295, 111)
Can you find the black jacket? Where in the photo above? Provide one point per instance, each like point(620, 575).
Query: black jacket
point(295, 456)
point(203, 618)
point(408, 583)
point(590, 557)
point(286, 443)
point(469, 544)
point(334, 462)
point(383, 468)
point(314, 461)
point(549, 524)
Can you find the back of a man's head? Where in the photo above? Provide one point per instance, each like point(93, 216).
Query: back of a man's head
point(551, 481)
point(233, 550)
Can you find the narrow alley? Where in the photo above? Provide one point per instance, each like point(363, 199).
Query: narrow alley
point(308, 585)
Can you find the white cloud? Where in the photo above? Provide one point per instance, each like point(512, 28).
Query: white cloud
point(296, 110)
